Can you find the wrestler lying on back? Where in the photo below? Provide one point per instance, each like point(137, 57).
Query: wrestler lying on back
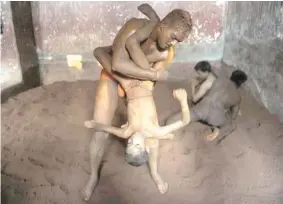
point(219, 106)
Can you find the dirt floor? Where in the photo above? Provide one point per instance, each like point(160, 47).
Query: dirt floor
point(45, 154)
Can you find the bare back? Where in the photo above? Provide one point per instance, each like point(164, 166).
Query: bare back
point(225, 92)
point(214, 107)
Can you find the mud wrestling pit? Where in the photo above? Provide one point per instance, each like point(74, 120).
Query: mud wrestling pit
point(57, 62)
point(45, 153)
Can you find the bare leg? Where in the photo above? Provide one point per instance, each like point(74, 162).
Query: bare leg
point(153, 159)
point(106, 102)
point(225, 130)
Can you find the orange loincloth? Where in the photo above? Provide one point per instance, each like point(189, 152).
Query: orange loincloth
point(121, 92)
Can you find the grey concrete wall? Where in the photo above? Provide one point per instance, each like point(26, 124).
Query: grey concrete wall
point(78, 27)
point(254, 43)
point(10, 73)
point(19, 60)
point(62, 28)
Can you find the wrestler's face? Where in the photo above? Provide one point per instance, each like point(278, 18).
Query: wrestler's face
point(170, 36)
point(202, 74)
point(136, 152)
point(136, 144)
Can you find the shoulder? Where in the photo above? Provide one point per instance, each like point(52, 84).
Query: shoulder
point(138, 20)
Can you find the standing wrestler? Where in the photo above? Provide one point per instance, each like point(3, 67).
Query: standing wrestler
point(105, 105)
point(220, 102)
point(166, 33)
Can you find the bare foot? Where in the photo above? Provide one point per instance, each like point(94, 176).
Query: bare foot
point(88, 189)
point(162, 188)
point(213, 135)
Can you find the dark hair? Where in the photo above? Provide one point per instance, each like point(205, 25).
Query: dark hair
point(238, 77)
point(203, 66)
point(180, 19)
point(137, 160)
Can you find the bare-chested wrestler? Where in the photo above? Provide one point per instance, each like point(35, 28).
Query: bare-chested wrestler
point(220, 103)
point(177, 26)
point(107, 94)
point(203, 82)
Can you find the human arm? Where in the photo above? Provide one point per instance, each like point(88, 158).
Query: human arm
point(181, 96)
point(133, 45)
point(103, 56)
point(194, 83)
point(203, 89)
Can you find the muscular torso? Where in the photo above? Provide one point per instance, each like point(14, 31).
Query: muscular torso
point(130, 27)
point(149, 47)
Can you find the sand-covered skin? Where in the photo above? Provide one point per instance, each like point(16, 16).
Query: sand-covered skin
point(45, 154)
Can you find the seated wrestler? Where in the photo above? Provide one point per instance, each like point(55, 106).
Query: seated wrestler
point(204, 80)
point(220, 103)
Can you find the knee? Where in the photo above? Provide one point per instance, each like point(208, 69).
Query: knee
point(99, 139)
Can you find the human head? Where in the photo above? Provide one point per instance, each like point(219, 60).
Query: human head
point(136, 153)
point(174, 28)
point(203, 68)
point(238, 77)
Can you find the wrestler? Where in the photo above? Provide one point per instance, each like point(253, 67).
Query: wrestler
point(106, 101)
point(103, 54)
point(219, 107)
point(204, 80)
